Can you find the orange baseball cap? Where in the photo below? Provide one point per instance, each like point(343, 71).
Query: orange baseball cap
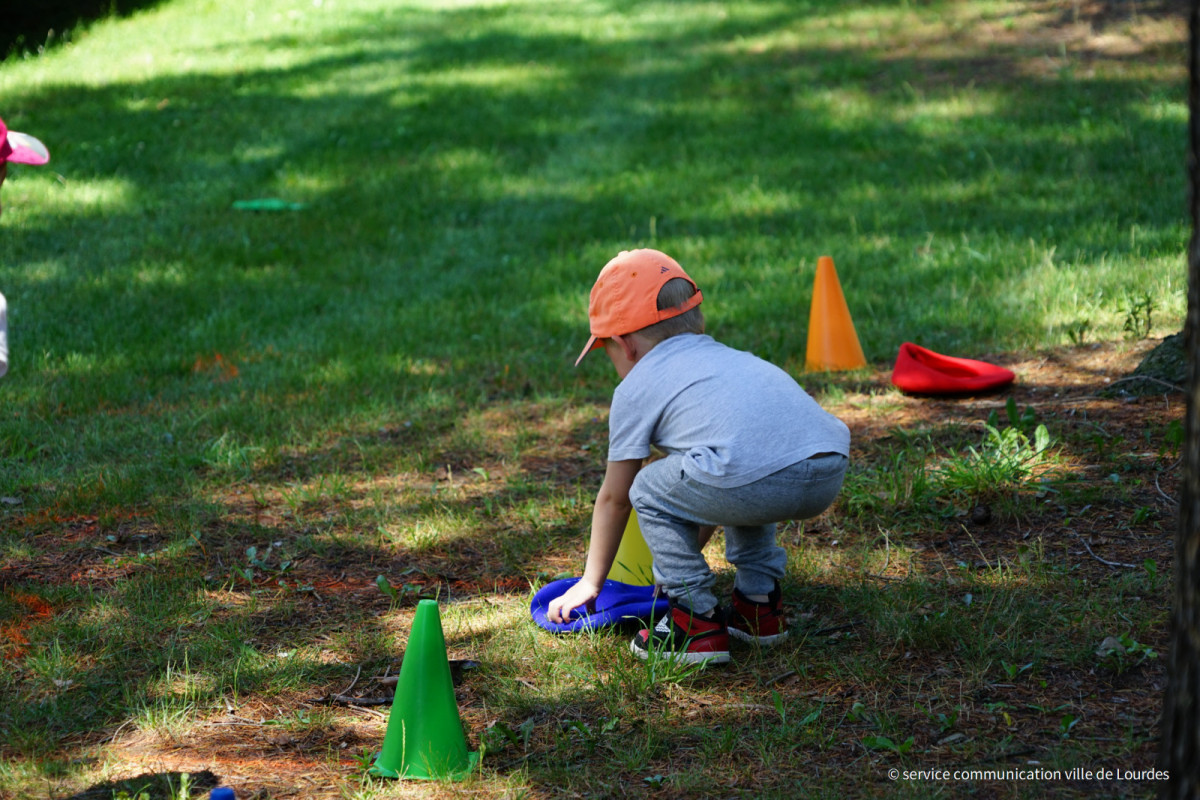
point(625, 296)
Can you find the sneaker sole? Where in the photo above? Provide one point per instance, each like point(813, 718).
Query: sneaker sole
point(743, 636)
point(716, 657)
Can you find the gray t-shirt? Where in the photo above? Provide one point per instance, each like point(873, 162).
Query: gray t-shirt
point(733, 417)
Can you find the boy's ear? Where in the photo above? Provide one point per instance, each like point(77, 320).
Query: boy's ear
point(629, 346)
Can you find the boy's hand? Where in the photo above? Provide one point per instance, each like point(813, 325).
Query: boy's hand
point(582, 593)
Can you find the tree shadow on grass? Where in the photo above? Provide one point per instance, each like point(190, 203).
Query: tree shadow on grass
point(46, 24)
point(399, 181)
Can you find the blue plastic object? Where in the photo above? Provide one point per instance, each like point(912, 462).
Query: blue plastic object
point(618, 602)
point(221, 793)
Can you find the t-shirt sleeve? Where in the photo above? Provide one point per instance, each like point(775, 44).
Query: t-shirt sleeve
point(628, 432)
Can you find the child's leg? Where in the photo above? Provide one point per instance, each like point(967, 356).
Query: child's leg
point(801, 491)
point(672, 507)
point(759, 560)
point(667, 505)
point(798, 492)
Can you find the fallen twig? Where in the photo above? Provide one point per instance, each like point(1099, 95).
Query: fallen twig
point(780, 677)
point(887, 560)
point(1166, 496)
point(1104, 561)
point(247, 721)
point(370, 711)
point(457, 667)
point(353, 682)
point(330, 699)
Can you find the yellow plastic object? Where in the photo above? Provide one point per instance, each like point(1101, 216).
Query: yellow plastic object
point(832, 341)
point(424, 736)
point(633, 564)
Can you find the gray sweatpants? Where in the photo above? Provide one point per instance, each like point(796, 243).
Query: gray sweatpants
point(671, 507)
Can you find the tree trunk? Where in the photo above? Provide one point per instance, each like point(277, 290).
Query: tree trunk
point(1180, 749)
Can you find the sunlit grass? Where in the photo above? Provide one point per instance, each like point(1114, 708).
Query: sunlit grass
point(379, 382)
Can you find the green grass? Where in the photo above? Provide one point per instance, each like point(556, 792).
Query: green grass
point(469, 168)
point(380, 381)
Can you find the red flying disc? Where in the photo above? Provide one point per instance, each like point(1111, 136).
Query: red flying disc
point(919, 370)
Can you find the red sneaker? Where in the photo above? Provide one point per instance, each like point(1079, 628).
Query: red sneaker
point(760, 623)
point(684, 637)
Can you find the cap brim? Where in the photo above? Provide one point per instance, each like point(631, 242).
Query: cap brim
point(592, 344)
point(26, 149)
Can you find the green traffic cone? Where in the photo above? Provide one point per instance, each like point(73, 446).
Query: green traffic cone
point(424, 736)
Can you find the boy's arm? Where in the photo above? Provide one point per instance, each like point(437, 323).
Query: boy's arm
point(609, 517)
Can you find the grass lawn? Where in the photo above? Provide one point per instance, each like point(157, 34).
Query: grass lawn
point(222, 422)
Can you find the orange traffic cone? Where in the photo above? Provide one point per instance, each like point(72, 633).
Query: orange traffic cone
point(832, 340)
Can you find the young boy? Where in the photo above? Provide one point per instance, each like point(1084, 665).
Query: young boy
point(19, 148)
point(746, 448)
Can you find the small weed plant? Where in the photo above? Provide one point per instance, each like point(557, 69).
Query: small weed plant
point(1139, 315)
point(1007, 459)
